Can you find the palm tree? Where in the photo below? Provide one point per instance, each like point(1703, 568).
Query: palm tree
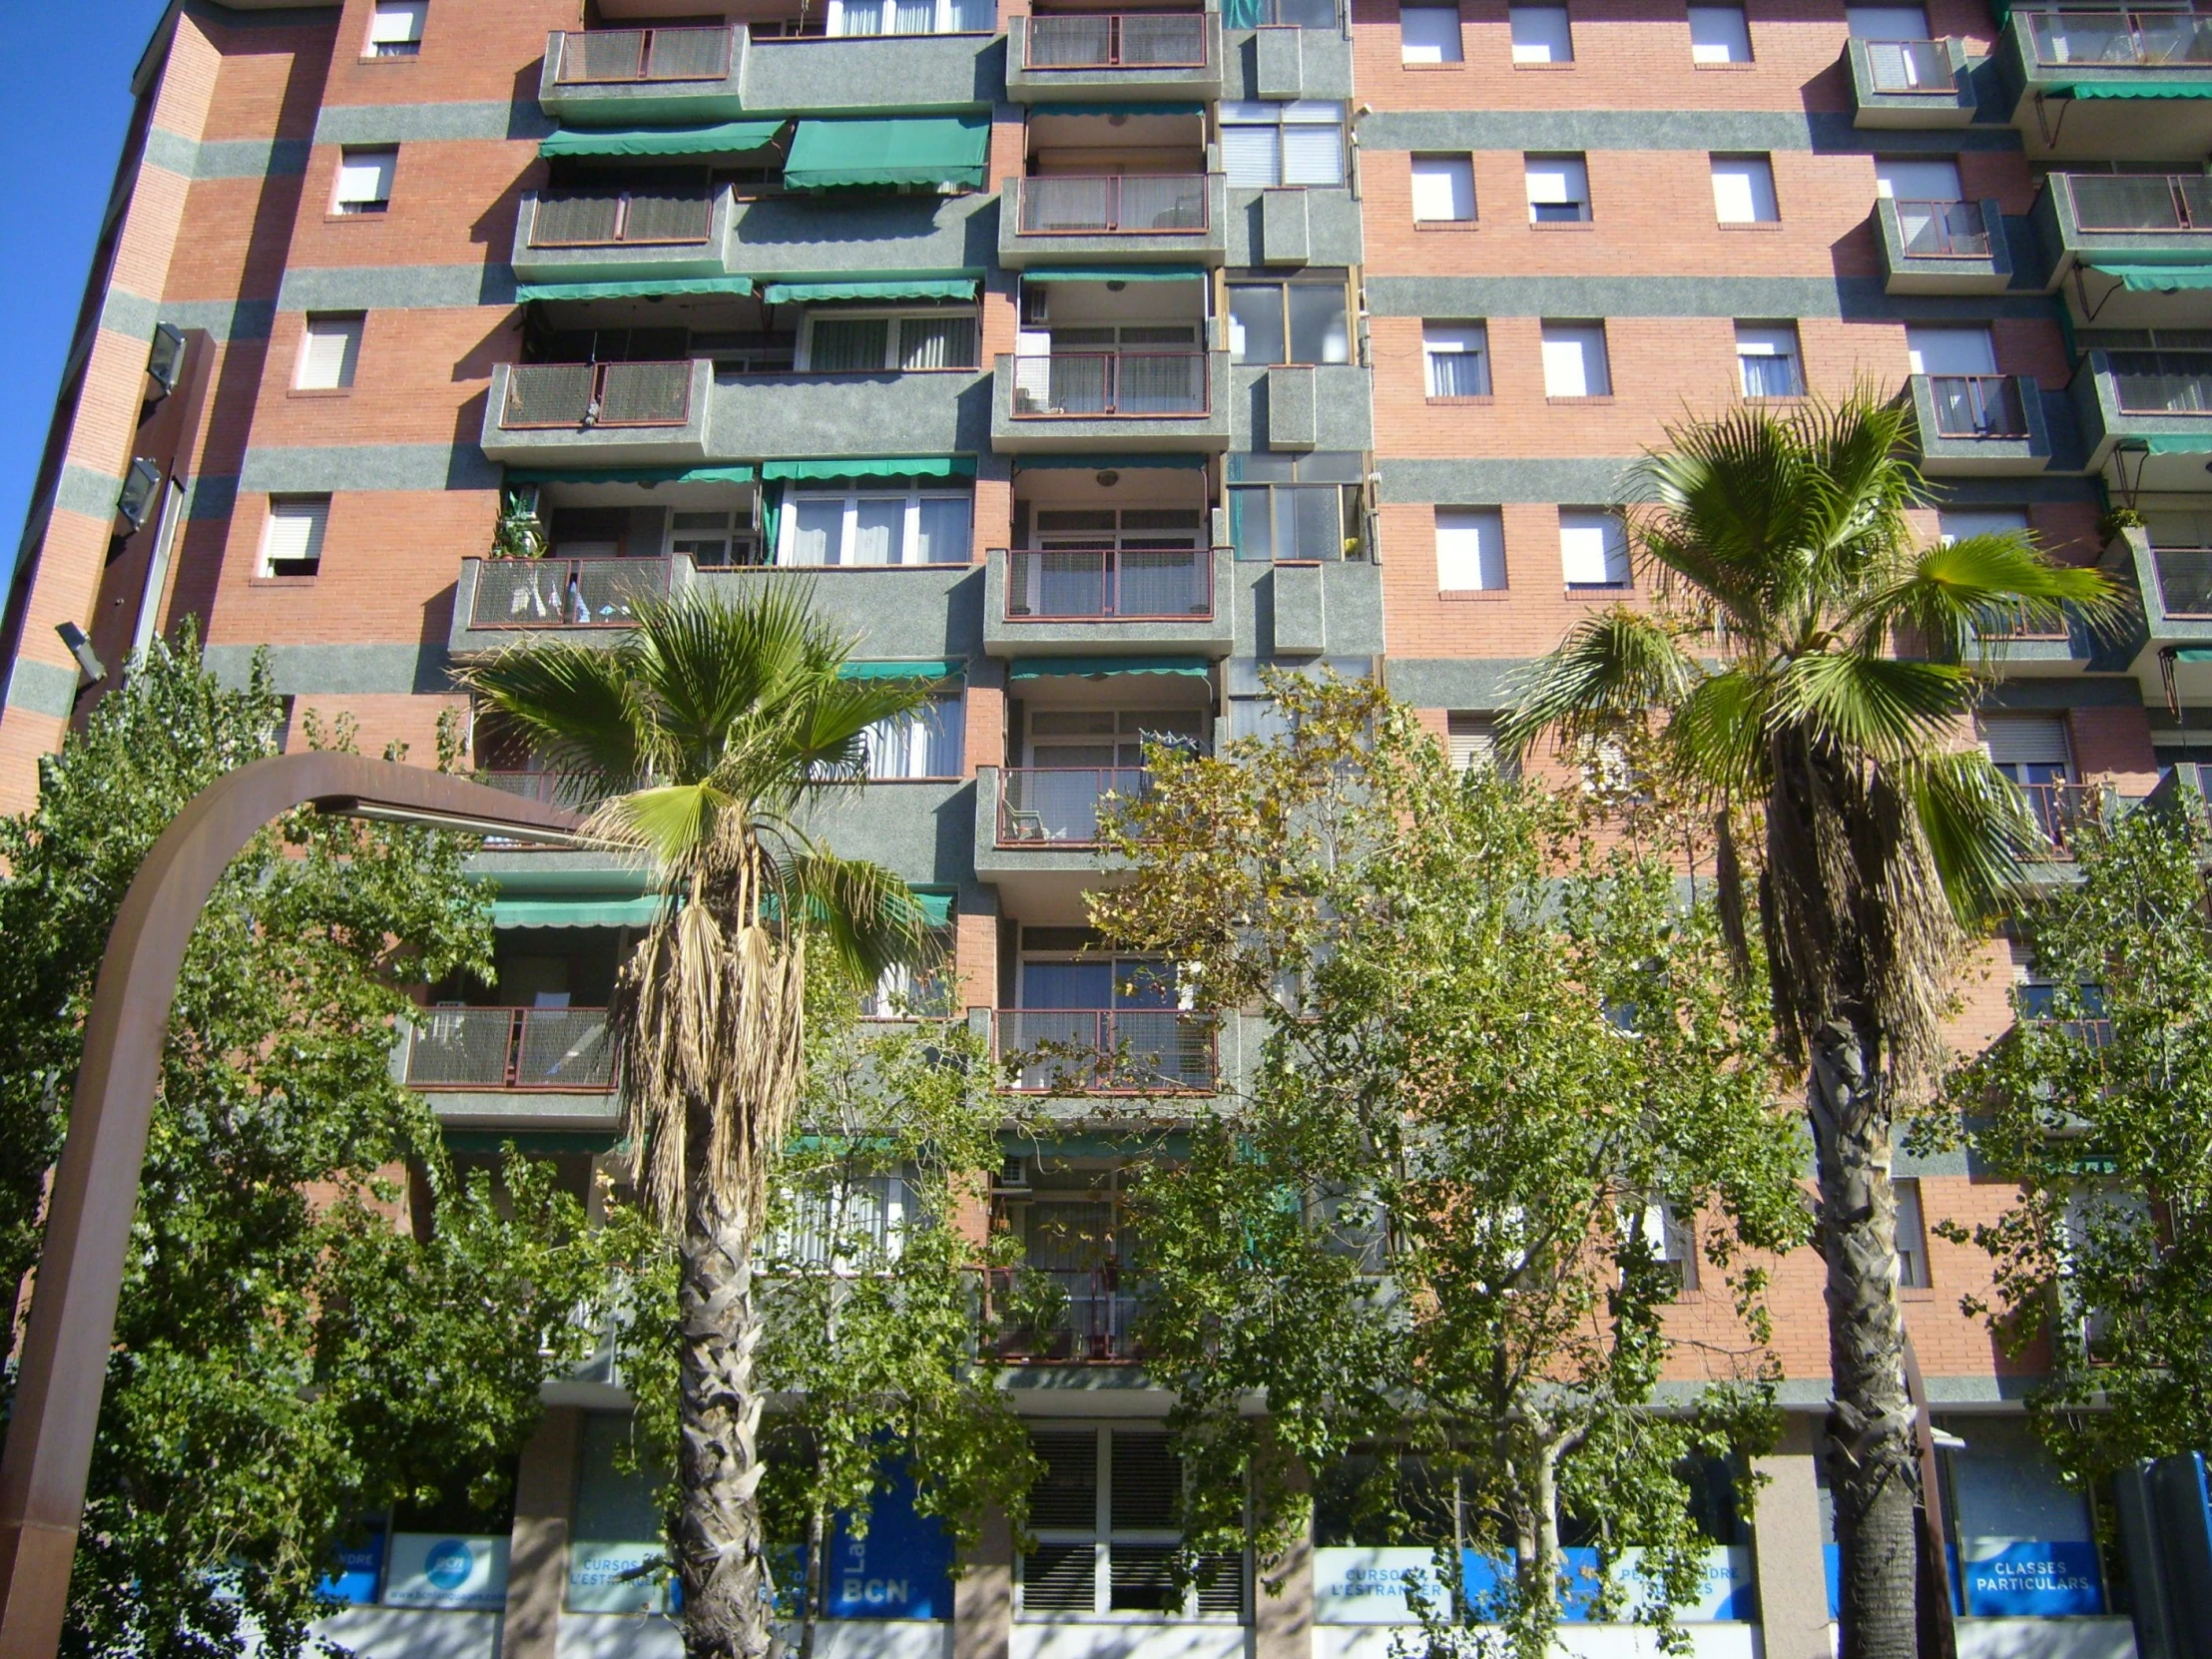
point(706, 735)
point(1848, 661)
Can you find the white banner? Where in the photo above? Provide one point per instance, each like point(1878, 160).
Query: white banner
point(430, 1569)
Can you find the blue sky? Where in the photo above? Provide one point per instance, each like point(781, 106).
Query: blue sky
point(65, 81)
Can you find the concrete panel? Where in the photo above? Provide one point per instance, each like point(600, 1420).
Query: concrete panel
point(311, 468)
point(430, 123)
point(1277, 71)
point(1300, 611)
point(819, 415)
point(43, 688)
point(1661, 129)
point(907, 74)
point(1858, 298)
point(388, 288)
point(1285, 235)
point(1292, 418)
point(789, 236)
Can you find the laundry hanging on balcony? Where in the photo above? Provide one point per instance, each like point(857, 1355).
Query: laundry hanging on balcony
point(889, 150)
point(723, 138)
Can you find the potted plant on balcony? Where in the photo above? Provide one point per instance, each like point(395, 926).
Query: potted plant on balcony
point(520, 533)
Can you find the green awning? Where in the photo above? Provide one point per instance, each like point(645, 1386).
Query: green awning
point(1118, 274)
point(920, 669)
point(872, 466)
point(881, 287)
point(2193, 654)
point(936, 908)
point(2158, 278)
point(1104, 463)
point(1054, 668)
point(894, 149)
point(2177, 444)
point(630, 475)
point(586, 910)
point(1116, 108)
point(651, 287)
point(724, 137)
point(2131, 89)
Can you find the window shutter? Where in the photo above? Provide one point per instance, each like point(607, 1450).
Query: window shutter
point(1147, 1481)
point(1743, 190)
point(1060, 1578)
point(1313, 155)
point(1593, 552)
point(364, 175)
point(2024, 739)
point(1443, 187)
point(1558, 179)
point(1471, 552)
point(1249, 156)
point(1718, 34)
point(1428, 34)
point(1472, 741)
point(293, 543)
point(329, 351)
point(1066, 1494)
point(397, 23)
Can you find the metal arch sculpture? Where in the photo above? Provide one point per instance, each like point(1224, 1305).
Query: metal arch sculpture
point(96, 1185)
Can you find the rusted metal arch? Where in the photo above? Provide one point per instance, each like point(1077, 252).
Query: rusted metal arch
point(96, 1186)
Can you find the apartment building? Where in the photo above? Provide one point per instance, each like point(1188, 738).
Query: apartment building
point(1085, 361)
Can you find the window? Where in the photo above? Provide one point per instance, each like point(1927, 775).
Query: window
point(2028, 749)
point(874, 527)
point(1471, 739)
point(713, 540)
point(1575, 360)
point(1912, 1235)
point(1672, 1240)
point(923, 744)
point(1470, 550)
point(395, 28)
point(1719, 34)
point(1743, 190)
point(1887, 22)
point(1558, 190)
point(1428, 34)
point(1951, 352)
point(329, 346)
point(1541, 35)
point(1294, 507)
point(1913, 180)
point(1104, 1514)
point(1443, 189)
point(1957, 524)
point(291, 542)
point(1594, 548)
point(838, 342)
point(1455, 359)
point(1767, 360)
point(849, 18)
point(1283, 144)
point(1279, 321)
point(364, 181)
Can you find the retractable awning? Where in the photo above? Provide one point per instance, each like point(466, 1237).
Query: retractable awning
point(889, 150)
point(871, 466)
point(936, 908)
point(582, 911)
point(2157, 279)
point(723, 138)
point(941, 668)
point(1117, 273)
point(651, 287)
point(809, 290)
point(2130, 89)
point(1053, 668)
point(630, 475)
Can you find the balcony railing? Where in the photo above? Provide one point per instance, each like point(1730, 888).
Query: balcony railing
point(563, 1049)
point(566, 593)
point(1062, 806)
point(1943, 230)
point(1109, 584)
point(1137, 203)
point(2140, 202)
point(1124, 383)
point(644, 55)
point(2065, 811)
point(1977, 406)
point(620, 218)
point(1107, 1050)
point(551, 789)
point(2120, 39)
point(546, 395)
point(2184, 579)
point(1117, 40)
point(1092, 1321)
point(1902, 67)
point(2162, 382)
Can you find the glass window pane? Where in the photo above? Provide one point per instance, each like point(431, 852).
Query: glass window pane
point(936, 342)
point(1470, 549)
point(818, 530)
point(1743, 190)
point(1256, 323)
point(1251, 528)
point(1250, 156)
point(1428, 34)
point(913, 17)
point(1314, 521)
point(1313, 155)
point(1575, 360)
point(846, 343)
point(1594, 548)
point(943, 531)
point(1443, 189)
point(1718, 34)
point(1318, 332)
point(1541, 34)
point(878, 525)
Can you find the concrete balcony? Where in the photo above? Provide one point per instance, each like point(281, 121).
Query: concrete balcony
point(819, 416)
point(915, 73)
point(602, 415)
point(859, 234)
point(1104, 603)
point(1085, 1051)
point(1140, 218)
point(2156, 407)
point(643, 77)
point(513, 1068)
point(620, 235)
point(1102, 400)
point(1299, 50)
point(1980, 424)
point(2123, 249)
point(1910, 83)
point(2175, 588)
point(1943, 247)
point(1035, 837)
point(1137, 57)
point(2107, 85)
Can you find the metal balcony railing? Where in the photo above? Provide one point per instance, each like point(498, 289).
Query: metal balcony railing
point(617, 55)
point(1135, 203)
point(1062, 806)
point(2184, 579)
point(2065, 811)
point(1117, 40)
point(547, 396)
point(2162, 382)
point(1943, 230)
point(620, 218)
point(553, 788)
point(1111, 384)
point(566, 593)
point(1093, 1322)
point(1109, 584)
point(1902, 67)
point(1977, 405)
point(1107, 1050)
point(2120, 39)
point(2140, 202)
point(562, 1049)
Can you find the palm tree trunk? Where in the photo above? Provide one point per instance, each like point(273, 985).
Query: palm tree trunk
point(1869, 1455)
point(716, 1538)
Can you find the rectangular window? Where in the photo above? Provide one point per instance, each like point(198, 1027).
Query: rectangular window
point(2031, 749)
point(1575, 360)
point(1950, 352)
point(1910, 178)
point(847, 19)
point(842, 343)
point(1472, 740)
point(1887, 22)
point(1470, 550)
point(1455, 359)
point(329, 346)
point(1767, 360)
point(1594, 548)
point(292, 541)
point(713, 540)
point(923, 744)
point(1558, 190)
point(1265, 145)
point(1719, 34)
point(395, 28)
point(1957, 523)
point(1912, 1235)
point(880, 526)
point(1295, 508)
point(1428, 34)
point(1541, 34)
point(1743, 190)
point(1288, 322)
point(364, 180)
point(1443, 189)
point(1104, 1512)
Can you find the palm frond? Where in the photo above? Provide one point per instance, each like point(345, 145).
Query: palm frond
point(1718, 735)
point(1951, 596)
point(1617, 666)
point(862, 912)
point(1977, 825)
point(580, 707)
point(1880, 709)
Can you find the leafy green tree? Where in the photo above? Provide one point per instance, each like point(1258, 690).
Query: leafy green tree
point(1491, 1053)
point(2099, 1105)
point(288, 1358)
point(1849, 660)
point(707, 734)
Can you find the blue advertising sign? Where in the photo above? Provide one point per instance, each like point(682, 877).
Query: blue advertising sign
point(2036, 1579)
point(902, 1569)
point(359, 1567)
